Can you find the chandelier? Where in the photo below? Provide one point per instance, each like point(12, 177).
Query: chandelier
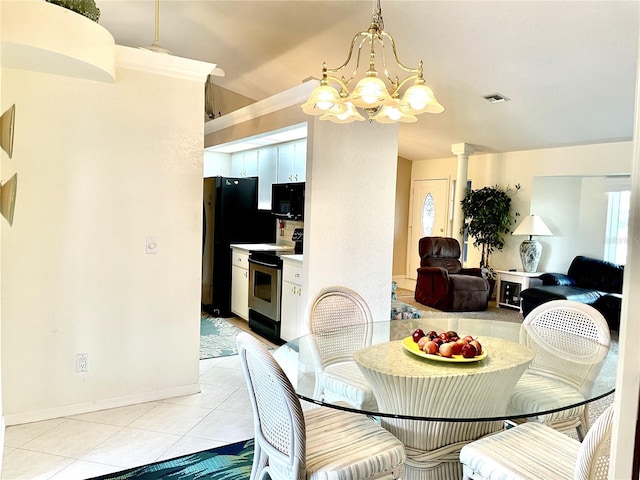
point(395, 102)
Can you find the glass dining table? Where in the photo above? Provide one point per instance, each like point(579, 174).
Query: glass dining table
point(435, 405)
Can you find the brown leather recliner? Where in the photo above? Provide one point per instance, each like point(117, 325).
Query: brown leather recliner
point(443, 283)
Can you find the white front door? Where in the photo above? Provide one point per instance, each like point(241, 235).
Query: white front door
point(428, 217)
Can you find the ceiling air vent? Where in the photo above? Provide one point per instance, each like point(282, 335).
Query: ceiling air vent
point(496, 98)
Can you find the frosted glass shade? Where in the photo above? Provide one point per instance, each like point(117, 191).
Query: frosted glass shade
point(391, 114)
point(369, 93)
point(348, 116)
point(322, 99)
point(420, 99)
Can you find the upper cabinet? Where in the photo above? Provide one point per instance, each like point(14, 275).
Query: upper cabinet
point(281, 163)
point(244, 164)
point(292, 161)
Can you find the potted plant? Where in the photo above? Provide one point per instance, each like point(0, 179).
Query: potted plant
point(86, 8)
point(488, 218)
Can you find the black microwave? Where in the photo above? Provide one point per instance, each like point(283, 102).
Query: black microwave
point(287, 200)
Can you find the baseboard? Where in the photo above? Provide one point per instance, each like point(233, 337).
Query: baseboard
point(88, 407)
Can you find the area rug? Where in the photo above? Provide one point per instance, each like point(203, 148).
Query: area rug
point(217, 337)
point(229, 462)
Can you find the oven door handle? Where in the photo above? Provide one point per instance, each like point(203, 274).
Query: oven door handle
point(264, 264)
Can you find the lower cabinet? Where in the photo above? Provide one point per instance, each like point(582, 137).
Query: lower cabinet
point(240, 283)
point(292, 304)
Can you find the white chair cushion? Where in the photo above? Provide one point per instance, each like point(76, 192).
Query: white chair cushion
point(346, 381)
point(539, 393)
point(347, 446)
point(523, 452)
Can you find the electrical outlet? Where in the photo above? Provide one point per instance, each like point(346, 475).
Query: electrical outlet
point(82, 362)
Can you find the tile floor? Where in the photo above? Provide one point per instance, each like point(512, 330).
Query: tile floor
point(87, 445)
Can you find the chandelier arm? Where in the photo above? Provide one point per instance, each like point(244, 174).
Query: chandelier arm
point(340, 82)
point(417, 70)
point(346, 62)
point(402, 84)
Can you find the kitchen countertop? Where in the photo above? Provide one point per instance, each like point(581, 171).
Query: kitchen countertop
point(292, 258)
point(261, 246)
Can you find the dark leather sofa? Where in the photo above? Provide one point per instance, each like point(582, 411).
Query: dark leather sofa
point(443, 283)
point(588, 280)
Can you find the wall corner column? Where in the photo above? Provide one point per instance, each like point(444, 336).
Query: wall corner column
point(462, 151)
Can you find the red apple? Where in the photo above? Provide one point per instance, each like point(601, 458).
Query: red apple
point(432, 334)
point(468, 338)
point(476, 344)
point(444, 336)
point(452, 334)
point(446, 350)
point(417, 334)
point(469, 351)
point(456, 347)
point(430, 347)
point(438, 341)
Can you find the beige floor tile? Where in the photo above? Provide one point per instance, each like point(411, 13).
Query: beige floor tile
point(26, 465)
point(122, 416)
point(238, 402)
point(230, 377)
point(224, 426)
point(171, 418)
point(132, 447)
point(210, 396)
point(187, 445)
point(72, 438)
point(81, 470)
point(18, 435)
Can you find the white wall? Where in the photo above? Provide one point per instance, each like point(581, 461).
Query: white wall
point(349, 213)
point(3, 225)
point(512, 168)
point(101, 167)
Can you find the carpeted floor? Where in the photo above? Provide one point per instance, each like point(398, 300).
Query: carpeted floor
point(505, 314)
point(217, 337)
point(229, 462)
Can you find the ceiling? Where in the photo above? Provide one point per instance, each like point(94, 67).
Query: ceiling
point(568, 67)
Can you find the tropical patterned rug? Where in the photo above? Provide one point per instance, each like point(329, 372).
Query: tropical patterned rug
point(217, 337)
point(229, 462)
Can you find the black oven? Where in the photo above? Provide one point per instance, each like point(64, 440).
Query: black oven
point(265, 293)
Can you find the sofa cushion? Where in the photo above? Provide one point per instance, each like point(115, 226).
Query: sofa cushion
point(596, 274)
point(544, 294)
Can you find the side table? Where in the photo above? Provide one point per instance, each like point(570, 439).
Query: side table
point(511, 283)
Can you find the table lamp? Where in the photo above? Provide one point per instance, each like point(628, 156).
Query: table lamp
point(531, 250)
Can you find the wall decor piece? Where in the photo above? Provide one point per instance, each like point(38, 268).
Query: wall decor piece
point(6, 129)
point(8, 198)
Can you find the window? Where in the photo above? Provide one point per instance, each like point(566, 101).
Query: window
point(615, 246)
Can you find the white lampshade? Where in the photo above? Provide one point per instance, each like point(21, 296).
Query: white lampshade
point(420, 99)
point(532, 225)
point(391, 114)
point(348, 116)
point(322, 99)
point(369, 93)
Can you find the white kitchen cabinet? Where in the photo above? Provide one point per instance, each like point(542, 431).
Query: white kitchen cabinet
point(240, 283)
point(244, 164)
point(292, 309)
point(292, 161)
point(267, 173)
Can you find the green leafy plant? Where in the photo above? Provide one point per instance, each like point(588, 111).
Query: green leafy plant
point(488, 218)
point(87, 8)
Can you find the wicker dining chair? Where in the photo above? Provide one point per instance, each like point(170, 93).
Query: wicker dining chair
point(536, 451)
point(318, 444)
point(565, 365)
point(338, 378)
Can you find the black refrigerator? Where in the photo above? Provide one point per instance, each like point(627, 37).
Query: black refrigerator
point(230, 215)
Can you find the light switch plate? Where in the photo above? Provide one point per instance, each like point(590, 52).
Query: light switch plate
point(152, 245)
